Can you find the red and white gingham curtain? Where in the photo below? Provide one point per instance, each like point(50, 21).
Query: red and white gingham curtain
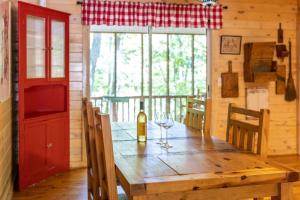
point(126, 13)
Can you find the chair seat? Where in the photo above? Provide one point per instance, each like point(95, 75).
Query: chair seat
point(122, 196)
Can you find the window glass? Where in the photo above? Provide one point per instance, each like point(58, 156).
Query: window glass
point(159, 64)
point(57, 49)
point(129, 62)
point(35, 44)
point(180, 65)
point(102, 62)
point(200, 63)
point(146, 64)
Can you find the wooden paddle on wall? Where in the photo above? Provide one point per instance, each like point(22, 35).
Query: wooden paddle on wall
point(230, 83)
point(290, 91)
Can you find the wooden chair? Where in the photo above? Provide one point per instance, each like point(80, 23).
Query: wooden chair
point(245, 135)
point(92, 169)
point(198, 114)
point(105, 158)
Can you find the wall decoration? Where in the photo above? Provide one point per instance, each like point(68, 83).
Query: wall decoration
point(257, 98)
point(230, 83)
point(5, 61)
point(280, 34)
point(231, 44)
point(258, 62)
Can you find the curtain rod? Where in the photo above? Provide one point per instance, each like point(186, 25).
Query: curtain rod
point(80, 3)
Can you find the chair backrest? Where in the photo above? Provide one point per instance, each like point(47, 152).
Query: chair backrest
point(245, 135)
point(198, 114)
point(105, 155)
point(89, 132)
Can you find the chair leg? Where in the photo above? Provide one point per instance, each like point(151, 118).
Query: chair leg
point(286, 192)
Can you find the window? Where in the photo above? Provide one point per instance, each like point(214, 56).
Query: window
point(120, 64)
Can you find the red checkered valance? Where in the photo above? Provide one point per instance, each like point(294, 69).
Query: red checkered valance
point(127, 13)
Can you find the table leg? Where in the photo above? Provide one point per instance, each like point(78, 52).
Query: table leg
point(286, 192)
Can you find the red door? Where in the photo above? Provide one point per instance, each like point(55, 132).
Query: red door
point(56, 140)
point(35, 162)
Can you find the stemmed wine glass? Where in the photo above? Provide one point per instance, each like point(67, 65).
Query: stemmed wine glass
point(168, 122)
point(159, 120)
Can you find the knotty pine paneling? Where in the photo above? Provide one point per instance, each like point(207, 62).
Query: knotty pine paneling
point(6, 163)
point(6, 181)
point(257, 21)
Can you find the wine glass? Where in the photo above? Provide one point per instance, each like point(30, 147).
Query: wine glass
point(159, 120)
point(168, 122)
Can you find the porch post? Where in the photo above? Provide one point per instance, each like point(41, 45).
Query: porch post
point(150, 72)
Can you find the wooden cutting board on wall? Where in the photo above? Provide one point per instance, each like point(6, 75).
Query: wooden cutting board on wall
point(230, 83)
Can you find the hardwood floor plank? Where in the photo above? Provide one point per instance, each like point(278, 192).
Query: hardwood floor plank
point(71, 185)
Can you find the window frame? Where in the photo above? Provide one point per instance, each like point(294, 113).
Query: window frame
point(168, 32)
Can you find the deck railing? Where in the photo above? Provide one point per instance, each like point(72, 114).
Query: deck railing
point(125, 109)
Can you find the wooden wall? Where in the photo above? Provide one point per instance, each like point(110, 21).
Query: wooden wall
point(257, 21)
point(6, 181)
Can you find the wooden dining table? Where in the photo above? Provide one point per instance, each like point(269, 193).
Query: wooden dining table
point(196, 168)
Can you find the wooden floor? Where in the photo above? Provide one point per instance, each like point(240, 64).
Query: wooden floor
point(73, 185)
point(69, 186)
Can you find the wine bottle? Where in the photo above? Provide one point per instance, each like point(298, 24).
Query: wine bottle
point(142, 124)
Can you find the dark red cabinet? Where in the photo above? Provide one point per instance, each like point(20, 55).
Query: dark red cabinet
point(43, 93)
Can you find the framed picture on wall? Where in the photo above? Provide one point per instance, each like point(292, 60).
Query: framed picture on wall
point(5, 49)
point(231, 44)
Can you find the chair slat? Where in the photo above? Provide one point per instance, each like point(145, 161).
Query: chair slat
point(238, 136)
point(242, 138)
point(247, 112)
point(234, 136)
point(250, 141)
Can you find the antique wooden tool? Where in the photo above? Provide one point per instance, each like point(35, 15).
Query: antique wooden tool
point(230, 83)
point(280, 34)
point(290, 91)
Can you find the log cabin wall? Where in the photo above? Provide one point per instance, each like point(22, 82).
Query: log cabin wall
point(257, 21)
point(6, 181)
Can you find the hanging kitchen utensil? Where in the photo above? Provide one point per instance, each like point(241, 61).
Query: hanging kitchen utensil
point(280, 79)
point(280, 34)
point(281, 51)
point(290, 91)
point(230, 83)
